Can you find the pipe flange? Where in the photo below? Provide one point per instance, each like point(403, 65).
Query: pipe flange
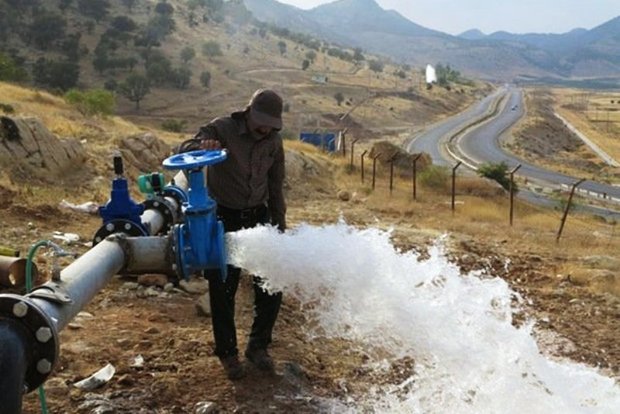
point(165, 208)
point(119, 226)
point(175, 193)
point(42, 337)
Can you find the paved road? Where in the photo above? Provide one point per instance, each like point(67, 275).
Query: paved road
point(480, 143)
point(434, 138)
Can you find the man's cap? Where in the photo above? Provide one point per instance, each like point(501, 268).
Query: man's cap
point(266, 108)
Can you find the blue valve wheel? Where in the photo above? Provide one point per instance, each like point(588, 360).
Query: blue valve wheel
point(194, 159)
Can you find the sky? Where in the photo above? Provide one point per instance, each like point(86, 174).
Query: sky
point(514, 16)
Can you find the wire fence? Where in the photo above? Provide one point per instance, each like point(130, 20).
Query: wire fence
point(570, 222)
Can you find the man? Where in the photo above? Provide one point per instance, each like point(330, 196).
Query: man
point(248, 190)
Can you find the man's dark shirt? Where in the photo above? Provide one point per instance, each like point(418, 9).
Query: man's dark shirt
point(253, 173)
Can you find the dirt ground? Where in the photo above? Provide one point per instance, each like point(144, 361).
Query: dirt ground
point(127, 321)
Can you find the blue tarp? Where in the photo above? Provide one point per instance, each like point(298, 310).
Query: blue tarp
point(326, 141)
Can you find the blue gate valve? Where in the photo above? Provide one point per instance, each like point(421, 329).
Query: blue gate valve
point(120, 213)
point(199, 242)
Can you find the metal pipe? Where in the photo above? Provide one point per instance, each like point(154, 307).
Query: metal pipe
point(79, 282)
point(13, 366)
point(153, 220)
point(13, 272)
point(148, 255)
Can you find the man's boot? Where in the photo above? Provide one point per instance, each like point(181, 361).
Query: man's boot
point(260, 358)
point(233, 367)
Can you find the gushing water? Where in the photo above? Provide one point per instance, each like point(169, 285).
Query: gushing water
point(469, 357)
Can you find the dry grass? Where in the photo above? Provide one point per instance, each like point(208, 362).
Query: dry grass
point(590, 113)
point(486, 217)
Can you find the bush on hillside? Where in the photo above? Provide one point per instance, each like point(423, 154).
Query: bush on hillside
point(435, 176)
point(10, 71)
point(211, 48)
point(92, 102)
point(174, 125)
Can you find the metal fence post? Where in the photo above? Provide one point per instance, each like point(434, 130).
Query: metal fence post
point(374, 169)
point(414, 181)
point(568, 204)
point(362, 163)
point(454, 184)
point(512, 192)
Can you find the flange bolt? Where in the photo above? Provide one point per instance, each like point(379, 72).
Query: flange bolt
point(20, 309)
point(44, 334)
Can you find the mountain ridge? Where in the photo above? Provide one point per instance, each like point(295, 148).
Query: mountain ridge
point(498, 56)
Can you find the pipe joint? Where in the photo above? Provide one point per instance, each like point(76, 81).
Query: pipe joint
point(39, 334)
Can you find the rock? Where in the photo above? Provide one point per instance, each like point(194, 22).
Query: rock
point(152, 330)
point(130, 286)
point(123, 342)
point(344, 195)
point(205, 407)
point(151, 279)
point(35, 151)
point(126, 380)
point(203, 305)
point(195, 285)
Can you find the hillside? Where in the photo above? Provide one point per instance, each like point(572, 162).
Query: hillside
point(236, 54)
point(569, 290)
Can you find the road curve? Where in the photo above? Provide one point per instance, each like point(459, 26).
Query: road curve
point(482, 144)
point(475, 136)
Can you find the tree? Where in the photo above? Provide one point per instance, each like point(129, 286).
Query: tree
point(205, 79)
point(181, 77)
point(305, 64)
point(123, 24)
point(311, 55)
point(496, 172)
point(375, 66)
point(97, 9)
point(135, 88)
point(357, 55)
point(282, 47)
point(211, 49)
point(187, 54)
point(339, 97)
point(62, 75)
point(10, 71)
point(164, 8)
point(46, 28)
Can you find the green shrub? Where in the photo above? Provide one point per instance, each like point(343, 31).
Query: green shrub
point(7, 108)
point(174, 125)
point(92, 102)
point(435, 176)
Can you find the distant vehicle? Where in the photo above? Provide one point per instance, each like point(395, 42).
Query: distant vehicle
point(514, 107)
